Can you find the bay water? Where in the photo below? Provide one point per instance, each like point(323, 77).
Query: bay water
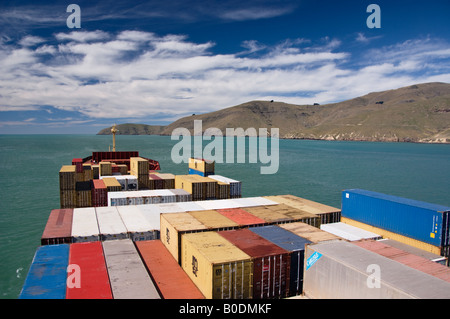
point(315, 170)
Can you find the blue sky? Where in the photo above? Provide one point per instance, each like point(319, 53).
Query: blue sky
point(153, 62)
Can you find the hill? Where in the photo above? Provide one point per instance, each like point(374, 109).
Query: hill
point(134, 129)
point(417, 113)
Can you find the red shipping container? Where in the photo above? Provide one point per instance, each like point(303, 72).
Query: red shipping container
point(58, 229)
point(408, 259)
point(159, 182)
point(241, 217)
point(271, 263)
point(87, 272)
point(168, 276)
point(99, 193)
point(78, 162)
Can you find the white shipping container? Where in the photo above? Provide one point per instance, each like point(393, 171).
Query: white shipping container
point(84, 225)
point(235, 186)
point(349, 232)
point(342, 270)
point(151, 214)
point(137, 226)
point(154, 196)
point(253, 201)
point(110, 223)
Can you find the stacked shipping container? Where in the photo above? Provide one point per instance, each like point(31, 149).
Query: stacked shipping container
point(426, 224)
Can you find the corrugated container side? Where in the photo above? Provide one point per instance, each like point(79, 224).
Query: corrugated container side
point(68, 198)
point(343, 270)
point(110, 223)
point(99, 193)
point(105, 169)
point(89, 279)
point(219, 269)
point(411, 260)
point(271, 264)
point(112, 185)
point(391, 235)
point(67, 177)
point(47, 276)
point(415, 251)
point(58, 229)
point(311, 233)
point(241, 217)
point(419, 220)
point(222, 190)
point(292, 243)
point(84, 225)
point(327, 214)
point(128, 276)
point(170, 279)
point(173, 225)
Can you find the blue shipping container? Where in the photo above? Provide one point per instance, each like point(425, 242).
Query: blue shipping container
point(292, 243)
point(47, 276)
point(422, 221)
point(193, 171)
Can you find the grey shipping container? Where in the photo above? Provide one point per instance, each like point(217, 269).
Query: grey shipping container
point(342, 270)
point(127, 273)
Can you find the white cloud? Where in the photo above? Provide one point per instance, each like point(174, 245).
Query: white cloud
point(135, 74)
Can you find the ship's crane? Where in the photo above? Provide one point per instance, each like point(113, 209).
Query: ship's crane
point(114, 130)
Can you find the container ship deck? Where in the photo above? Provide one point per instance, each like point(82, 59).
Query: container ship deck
point(125, 230)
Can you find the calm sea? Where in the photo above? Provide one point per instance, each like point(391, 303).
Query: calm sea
point(316, 170)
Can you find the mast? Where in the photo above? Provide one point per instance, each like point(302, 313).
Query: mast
point(114, 131)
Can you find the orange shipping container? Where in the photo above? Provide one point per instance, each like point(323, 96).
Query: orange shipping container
point(170, 279)
point(241, 217)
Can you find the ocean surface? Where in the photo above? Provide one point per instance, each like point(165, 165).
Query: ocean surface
point(316, 170)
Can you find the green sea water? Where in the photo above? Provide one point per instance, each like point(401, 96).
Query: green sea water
point(316, 170)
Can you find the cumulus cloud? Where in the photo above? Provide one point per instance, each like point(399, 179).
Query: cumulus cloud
point(134, 74)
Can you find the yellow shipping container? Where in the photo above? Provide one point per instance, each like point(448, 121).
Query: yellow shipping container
point(296, 214)
point(95, 171)
point(313, 234)
point(387, 234)
point(105, 169)
point(327, 214)
point(68, 198)
point(139, 166)
point(214, 220)
point(210, 185)
point(219, 269)
point(222, 190)
point(204, 166)
point(172, 226)
point(88, 174)
point(169, 180)
point(112, 185)
point(84, 198)
point(269, 215)
point(67, 177)
point(123, 169)
point(191, 185)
